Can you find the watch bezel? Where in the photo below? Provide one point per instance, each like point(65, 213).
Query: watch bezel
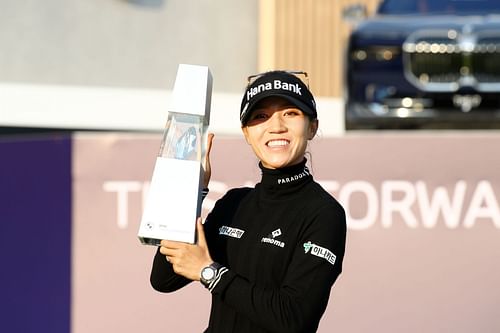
point(214, 268)
point(208, 269)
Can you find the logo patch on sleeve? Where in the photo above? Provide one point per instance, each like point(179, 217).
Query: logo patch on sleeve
point(319, 251)
point(231, 232)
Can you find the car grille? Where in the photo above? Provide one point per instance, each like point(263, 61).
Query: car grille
point(448, 61)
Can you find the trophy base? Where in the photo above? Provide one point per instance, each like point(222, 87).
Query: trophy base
point(173, 202)
point(150, 241)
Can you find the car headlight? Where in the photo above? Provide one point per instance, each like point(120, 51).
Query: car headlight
point(376, 53)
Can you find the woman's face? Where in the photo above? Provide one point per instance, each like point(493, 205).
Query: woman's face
point(278, 132)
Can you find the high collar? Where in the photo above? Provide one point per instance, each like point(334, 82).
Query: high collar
point(281, 183)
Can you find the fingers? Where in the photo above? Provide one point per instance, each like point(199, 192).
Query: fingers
point(167, 251)
point(188, 259)
point(172, 255)
point(170, 249)
point(210, 139)
point(206, 164)
point(170, 244)
point(201, 233)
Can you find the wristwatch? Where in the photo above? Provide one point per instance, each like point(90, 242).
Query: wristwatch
point(209, 274)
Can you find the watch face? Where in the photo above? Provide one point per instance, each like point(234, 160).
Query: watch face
point(208, 273)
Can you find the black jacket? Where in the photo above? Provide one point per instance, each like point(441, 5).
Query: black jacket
point(283, 243)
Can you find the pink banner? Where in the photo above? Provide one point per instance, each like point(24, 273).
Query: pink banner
point(422, 253)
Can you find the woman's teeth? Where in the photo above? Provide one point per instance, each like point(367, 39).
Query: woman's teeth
point(277, 143)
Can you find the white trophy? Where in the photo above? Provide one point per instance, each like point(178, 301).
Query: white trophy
point(174, 199)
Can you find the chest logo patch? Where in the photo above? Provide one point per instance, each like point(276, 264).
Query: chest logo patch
point(319, 251)
point(270, 239)
point(231, 232)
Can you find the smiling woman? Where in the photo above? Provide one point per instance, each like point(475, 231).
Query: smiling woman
point(278, 132)
point(278, 117)
point(269, 255)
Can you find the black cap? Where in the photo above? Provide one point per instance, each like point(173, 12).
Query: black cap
point(278, 83)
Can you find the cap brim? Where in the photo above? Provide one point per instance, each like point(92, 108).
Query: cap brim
point(296, 102)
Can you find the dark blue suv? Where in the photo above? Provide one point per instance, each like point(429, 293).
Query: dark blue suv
point(425, 63)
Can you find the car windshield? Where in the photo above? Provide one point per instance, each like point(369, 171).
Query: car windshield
point(454, 7)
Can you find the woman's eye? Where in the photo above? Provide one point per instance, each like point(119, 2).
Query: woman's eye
point(291, 113)
point(259, 116)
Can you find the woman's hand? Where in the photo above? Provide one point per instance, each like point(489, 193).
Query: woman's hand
point(188, 259)
point(206, 164)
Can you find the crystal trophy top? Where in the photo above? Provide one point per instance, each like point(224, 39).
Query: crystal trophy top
point(184, 137)
point(173, 202)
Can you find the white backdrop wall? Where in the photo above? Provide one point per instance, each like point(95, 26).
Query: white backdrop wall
point(120, 43)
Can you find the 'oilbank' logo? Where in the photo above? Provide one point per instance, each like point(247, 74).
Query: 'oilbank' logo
point(319, 251)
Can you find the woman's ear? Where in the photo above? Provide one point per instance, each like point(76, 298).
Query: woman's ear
point(313, 128)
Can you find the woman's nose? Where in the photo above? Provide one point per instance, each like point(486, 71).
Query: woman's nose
point(276, 123)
